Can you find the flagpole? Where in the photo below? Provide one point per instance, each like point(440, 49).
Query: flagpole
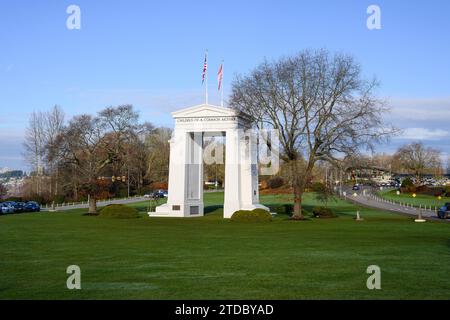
point(206, 79)
point(221, 84)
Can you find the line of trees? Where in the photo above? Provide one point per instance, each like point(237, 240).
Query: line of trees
point(413, 158)
point(106, 155)
point(417, 159)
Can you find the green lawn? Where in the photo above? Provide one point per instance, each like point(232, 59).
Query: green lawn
point(420, 200)
point(208, 257)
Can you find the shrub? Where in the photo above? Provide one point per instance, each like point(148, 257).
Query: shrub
point(422, 189)
point(118, 211)
point(256, 215)
point(432, 191)
point(282, 209)
point(447, 191)
point(323, 212)
point(407, 186)
point(411, 189)
point(407, 183)
point(275, 182)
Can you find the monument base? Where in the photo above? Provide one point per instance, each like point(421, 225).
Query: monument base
point(167, 210)
point(187, 210)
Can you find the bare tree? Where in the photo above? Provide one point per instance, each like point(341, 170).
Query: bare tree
point(136, 156)
point(321, 105)
point(124, 131)
point(83, 147)
point(417, 159)
point(34, 146)
point(107, 146)
point(53, 126)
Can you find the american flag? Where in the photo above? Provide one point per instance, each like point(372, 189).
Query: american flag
point(219, 76)
point(205, 68)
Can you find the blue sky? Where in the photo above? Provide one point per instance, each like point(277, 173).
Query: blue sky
point(150, 54)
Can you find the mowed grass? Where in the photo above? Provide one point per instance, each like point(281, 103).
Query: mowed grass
point(213, 258)
point(419, 200)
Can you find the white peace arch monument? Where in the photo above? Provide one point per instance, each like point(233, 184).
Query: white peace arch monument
point(185, 194)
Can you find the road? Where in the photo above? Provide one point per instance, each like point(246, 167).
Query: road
point(368, 198)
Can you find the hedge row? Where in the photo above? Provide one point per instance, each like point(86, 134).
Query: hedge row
point(256, 215)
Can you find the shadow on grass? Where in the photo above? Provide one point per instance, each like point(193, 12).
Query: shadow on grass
point(87, 214)
point(210, 209)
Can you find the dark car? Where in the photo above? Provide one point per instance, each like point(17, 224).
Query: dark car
point(32, 206)
point(444, 212)
point(19, 207)
point(157, 195)
point(356, 187)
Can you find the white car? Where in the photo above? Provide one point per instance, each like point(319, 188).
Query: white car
point(6, 208)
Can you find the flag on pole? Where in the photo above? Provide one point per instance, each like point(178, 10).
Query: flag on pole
point(205, 68)
point(219, 76)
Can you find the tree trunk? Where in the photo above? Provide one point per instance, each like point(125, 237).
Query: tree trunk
point(56, 182)
point(298, 191)
point(92, 205)
point(298, 214)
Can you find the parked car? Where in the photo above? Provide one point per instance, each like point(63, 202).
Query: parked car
point(19, 207)
point(394, 184)
point(6, 208)
point(32, 206)
point(11, 204)
point(158, 194)
point(444, 212)
point(356, 187)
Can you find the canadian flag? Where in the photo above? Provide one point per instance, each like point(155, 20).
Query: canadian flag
point(219, 76)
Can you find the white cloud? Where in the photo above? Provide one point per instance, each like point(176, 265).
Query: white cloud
point(423, 134)
point(420, 109)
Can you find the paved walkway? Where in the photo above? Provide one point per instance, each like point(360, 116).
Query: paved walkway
point(369, 199)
